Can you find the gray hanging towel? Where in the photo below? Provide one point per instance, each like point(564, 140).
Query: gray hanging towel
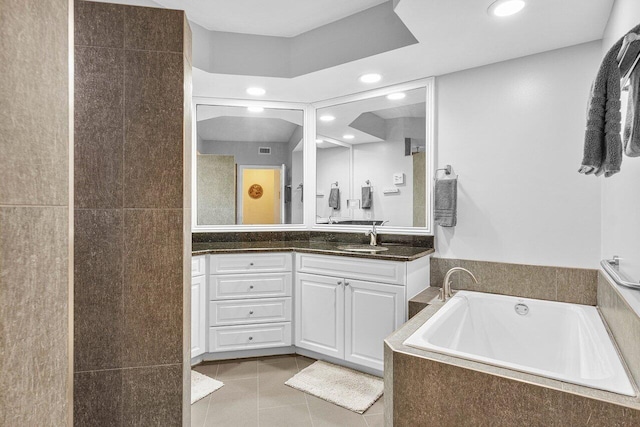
point(334, 198)
point(367, 197)
point(602, 142)
point(446, 201)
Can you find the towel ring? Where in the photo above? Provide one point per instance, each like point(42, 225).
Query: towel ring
point(334, 183)
point(448, 170)
point(368, 183)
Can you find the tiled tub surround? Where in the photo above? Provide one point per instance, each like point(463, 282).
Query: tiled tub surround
point(623, 322)
point(573, 285)
point(427, 388)
point(132, 231)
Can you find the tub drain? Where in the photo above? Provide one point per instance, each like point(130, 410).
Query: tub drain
point(521, 309)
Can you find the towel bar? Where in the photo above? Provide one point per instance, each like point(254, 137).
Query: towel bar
point(608, 266)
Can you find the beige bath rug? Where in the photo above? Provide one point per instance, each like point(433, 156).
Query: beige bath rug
point(343, 386)
point(202, 386)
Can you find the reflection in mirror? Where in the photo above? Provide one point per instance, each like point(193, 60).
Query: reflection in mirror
point(248, 165)
point(371, 161)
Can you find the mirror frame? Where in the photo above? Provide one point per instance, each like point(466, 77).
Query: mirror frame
point(429, 85)
point(307, 211)
point(309, 160)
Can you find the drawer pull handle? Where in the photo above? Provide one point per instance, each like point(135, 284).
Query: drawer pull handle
point(251, 287)
point(250, 338)
point(251, 312)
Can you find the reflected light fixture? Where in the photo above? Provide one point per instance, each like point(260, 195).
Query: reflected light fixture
point(502, 8)
point(256, 91)
point(318, 141)
point(370, 78)
point(348, 136)
point(327, 118)
point(255, 109)
point(396, 96)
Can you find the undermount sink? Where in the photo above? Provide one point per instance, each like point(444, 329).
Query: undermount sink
point(363, 248)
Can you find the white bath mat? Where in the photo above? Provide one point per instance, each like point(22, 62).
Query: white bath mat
point(202, 386)
point(344, 387)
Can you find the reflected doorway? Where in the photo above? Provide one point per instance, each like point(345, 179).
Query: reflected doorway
point(260, 195)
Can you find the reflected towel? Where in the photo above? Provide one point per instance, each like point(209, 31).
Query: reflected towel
point(446, 200)
point(334, 198)
point(367, 197)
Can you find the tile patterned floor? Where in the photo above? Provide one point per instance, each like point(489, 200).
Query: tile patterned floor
point(254, 395)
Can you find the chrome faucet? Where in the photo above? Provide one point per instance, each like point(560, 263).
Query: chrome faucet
point(373, 233)
point(446, 291)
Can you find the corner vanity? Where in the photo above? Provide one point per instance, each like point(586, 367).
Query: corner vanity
point(311, 298)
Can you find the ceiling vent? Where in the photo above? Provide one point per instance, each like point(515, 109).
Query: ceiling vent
point(264, 150)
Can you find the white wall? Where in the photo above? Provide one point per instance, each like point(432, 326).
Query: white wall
point(333, 164)
point(246, 153)
point(621, 192)
point(513, 131)
point(377, 162)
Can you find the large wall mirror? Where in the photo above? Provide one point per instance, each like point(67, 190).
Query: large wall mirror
point(374, 159)
point(248, 165)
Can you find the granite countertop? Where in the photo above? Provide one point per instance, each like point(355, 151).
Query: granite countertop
point(395, 343)
point(396, 252)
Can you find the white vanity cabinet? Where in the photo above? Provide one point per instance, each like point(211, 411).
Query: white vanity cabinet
point(345, 307)
point(249, 304)
point(198, 305)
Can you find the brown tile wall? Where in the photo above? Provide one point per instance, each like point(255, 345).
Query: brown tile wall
point(35, 283)
point(623, 322)
point(132, 228)
point(574, 285)
point(423, 392)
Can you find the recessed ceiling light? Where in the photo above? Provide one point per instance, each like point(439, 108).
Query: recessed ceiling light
point(256, 91)
point(396, 96)
point(327, 118)
point(370, 78)
point(348, 136)
point(255, 109)
point(318, 141)
point(503, 8)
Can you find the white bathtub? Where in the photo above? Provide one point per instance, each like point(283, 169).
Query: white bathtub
point(567, 342)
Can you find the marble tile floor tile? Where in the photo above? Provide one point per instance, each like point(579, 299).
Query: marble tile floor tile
point(254, 395)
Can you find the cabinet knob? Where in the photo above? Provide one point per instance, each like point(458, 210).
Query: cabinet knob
point(251, 312)
point(250, 264)
point(346, 283)
point(339, 282)
point(250, 338)
point(250, 286)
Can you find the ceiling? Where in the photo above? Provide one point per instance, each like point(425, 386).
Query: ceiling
point(347, 115)
point(452, 35)
point(237, 124)
point(280, 18)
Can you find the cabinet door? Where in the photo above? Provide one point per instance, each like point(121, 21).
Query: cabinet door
point(198, 316)
point(319, 322)
point(372, 312)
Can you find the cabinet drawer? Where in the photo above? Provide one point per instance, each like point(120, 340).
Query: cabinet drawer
point(263, 285)
point(198, 265)
point(249, 311)
point(250, 263)
point(228, 338)
point(354, 268)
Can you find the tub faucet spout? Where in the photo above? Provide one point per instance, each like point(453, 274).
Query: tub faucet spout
point(446, 291)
